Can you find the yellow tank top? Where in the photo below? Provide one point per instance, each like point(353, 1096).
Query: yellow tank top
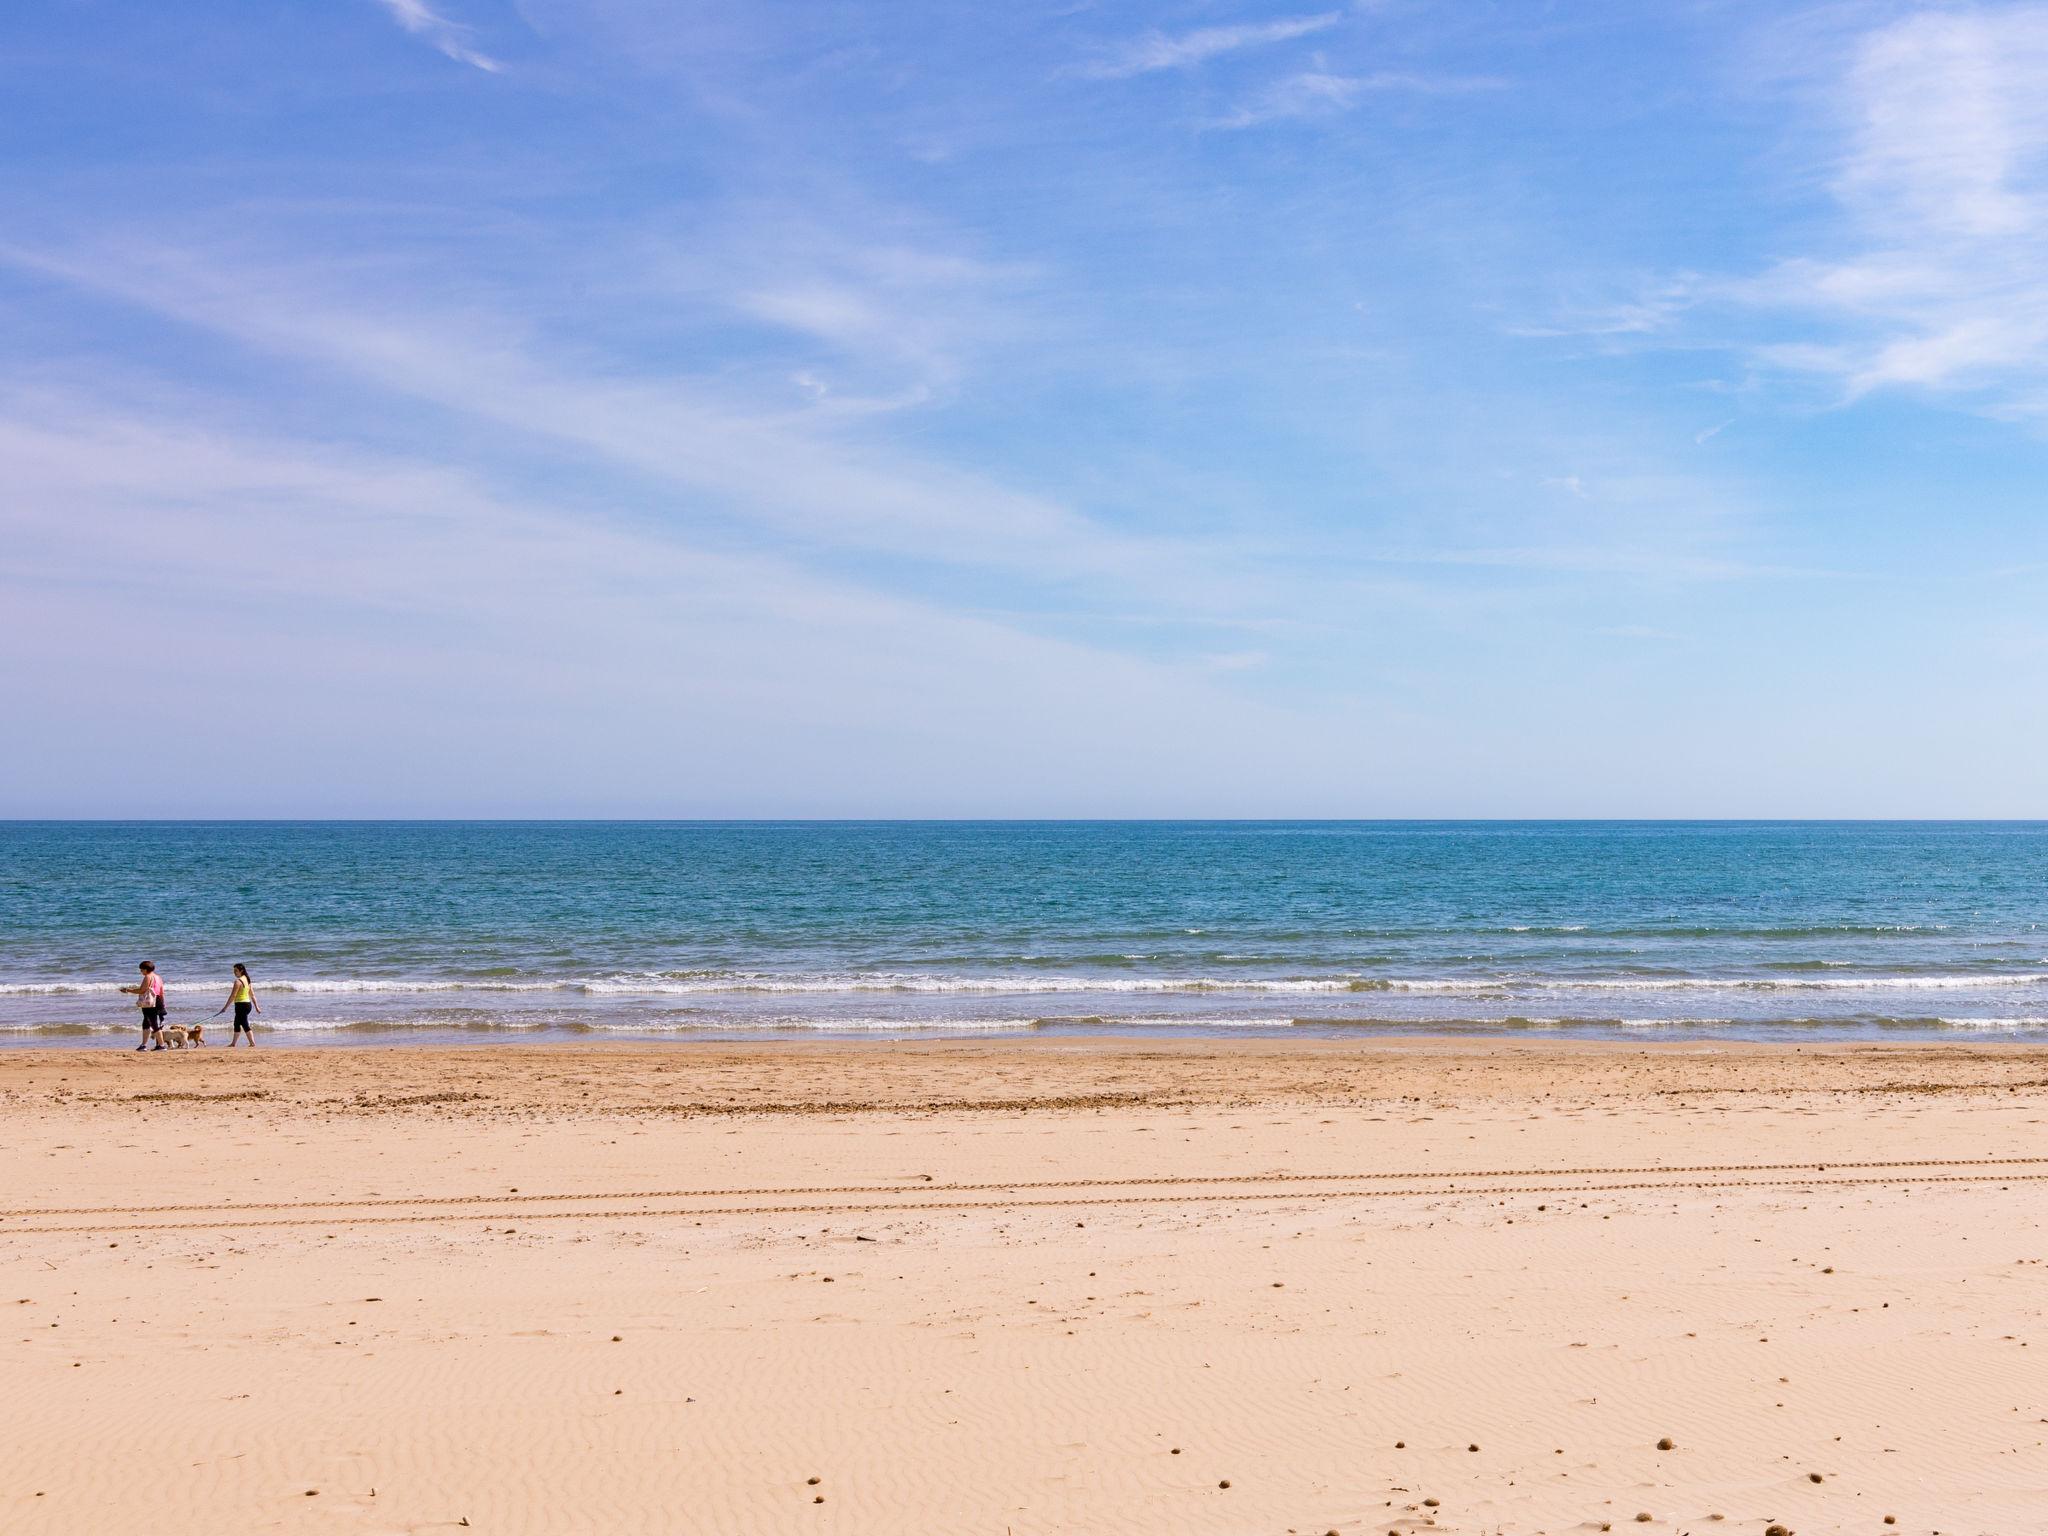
point(241, 989)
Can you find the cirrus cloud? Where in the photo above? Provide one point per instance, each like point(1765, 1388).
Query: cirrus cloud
point(1161, 50)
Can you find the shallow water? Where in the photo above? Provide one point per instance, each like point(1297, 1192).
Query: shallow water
point(370, 932)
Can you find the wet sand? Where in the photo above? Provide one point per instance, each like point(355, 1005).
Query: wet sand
point(1033, 1287)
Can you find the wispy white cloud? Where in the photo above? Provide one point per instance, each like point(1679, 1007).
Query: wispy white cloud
point(1944, 176)
point(357, 578)
point(451, 38)
point(1162, 50)
point(1934, 151)
point(878, 308)
point(1950, 122)
point(1615, 559)
point(1649, 312)
point(1319, 93)
point(923, 311)
point(789, 475)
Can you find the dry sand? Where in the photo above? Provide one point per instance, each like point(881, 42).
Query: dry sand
point(1052, 1286)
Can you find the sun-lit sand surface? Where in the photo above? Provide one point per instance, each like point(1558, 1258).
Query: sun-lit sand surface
point(1034, 1287)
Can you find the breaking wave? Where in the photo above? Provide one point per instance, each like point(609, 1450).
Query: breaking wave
point(698, 983)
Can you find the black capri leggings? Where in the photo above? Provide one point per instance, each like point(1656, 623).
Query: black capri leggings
point(242, 1017)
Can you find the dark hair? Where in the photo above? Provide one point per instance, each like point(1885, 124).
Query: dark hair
point(147, 965)
point(241, 969)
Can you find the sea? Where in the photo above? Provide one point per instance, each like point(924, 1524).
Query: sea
point(385, 932)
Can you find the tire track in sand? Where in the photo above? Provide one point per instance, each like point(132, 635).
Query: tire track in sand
point(1021, 1194)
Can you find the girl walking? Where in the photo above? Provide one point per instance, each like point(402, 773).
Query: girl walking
point(242, 998)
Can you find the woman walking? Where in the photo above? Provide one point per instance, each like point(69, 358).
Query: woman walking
point(149, 997)
point(242, 998)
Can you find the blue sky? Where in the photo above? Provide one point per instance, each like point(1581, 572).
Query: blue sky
point(651, 407)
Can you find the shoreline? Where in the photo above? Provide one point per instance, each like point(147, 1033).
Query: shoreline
point(1803, 1033)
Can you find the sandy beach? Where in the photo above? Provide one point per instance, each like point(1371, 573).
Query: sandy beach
point(1027, 1287)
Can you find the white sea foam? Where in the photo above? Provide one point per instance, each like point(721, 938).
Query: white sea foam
point(2026, 1023)
point(1793, 984)
point(713, 983)
point(820, 1023)
point(942, 1024)
point(709, 1024)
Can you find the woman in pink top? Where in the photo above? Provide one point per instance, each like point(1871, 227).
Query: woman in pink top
point(149, 997)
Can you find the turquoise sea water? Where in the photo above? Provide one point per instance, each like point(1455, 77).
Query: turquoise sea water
point(381, 931)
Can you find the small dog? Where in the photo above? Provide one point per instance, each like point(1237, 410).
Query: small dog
point(177, 1036)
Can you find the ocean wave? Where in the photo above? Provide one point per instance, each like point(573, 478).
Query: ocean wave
point(700, 983)
point(707, 1024)
point(1804, 983)
point(1846, 1022)
point(1118, 1024)
point(1772, 931)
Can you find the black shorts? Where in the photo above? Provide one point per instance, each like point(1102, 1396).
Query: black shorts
point(152, 1018)
point(242, 1017)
